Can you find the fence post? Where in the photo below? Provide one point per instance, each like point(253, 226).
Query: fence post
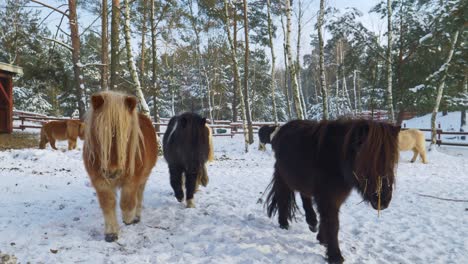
point(439, 133)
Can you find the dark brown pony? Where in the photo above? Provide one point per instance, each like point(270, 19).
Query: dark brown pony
point(119, 152)
point(325, 161)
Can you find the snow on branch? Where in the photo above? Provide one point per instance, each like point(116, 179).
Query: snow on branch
point(58, 42)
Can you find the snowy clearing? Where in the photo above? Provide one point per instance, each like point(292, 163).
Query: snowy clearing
point(49, 206)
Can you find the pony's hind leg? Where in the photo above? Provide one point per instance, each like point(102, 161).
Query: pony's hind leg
point(176, 182)
point(311, 217)
point(415, 155)
point(128, 203)
point(190, 186)
point(71, 144)
point(52, 143)
point(423, 156)
point(106, 197)
point(43, 142)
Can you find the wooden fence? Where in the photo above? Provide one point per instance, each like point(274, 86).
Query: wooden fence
point(440, 133)
point(222, 127)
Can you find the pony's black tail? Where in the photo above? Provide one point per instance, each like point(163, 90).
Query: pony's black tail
point(280, 196)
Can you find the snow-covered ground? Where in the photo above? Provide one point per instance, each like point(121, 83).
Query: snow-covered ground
point(50, 214)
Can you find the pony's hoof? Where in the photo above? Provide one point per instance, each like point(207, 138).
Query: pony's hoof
point(190, 204)
point(337, 259)
point(286, 227)
point(313, 228)
point(111, 237)
point(321, 240)
point(136, 220)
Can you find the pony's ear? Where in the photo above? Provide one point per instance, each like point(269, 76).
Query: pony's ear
point(203, 121)
point(130, 102)
point(97, 101)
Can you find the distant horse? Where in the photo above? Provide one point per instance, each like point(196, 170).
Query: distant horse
point(61, 130)
point(265, 135)
point(413, 139)
point(119, 152)
point(325, 161)
point(187, 145)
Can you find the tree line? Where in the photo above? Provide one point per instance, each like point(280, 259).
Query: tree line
point(218, 57)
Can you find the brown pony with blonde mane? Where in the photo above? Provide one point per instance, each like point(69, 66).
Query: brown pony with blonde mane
point(324, 161)
point(119, 152)
point(62, 130)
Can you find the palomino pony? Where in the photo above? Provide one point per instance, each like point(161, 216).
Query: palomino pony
point(187, 146)
point(119, 152)
point(325, 161)
point(62, 130)
point(413, 139)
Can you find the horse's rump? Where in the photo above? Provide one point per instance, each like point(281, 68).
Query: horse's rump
point(413, 139)
point(187, 146)
point(408, 139)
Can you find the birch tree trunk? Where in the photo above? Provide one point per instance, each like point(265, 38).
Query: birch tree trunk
point(143, 46)
point(440, 88)
point(298, 57)
point(286, 72)
point(75, 39)
point(154, 66)
point(115, 43)
point(246, 74)
point(359, 102)
point(292, 69)
point(131, 62)
point(391, 114)
point(273, 60)
point(104, 47)
point(321, 61)
point(236, 89)
point(354, 92)
point(235, 65)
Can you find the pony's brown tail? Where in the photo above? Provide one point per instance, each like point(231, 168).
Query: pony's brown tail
point(203, 176)
point(43, 141)
point(280, 195)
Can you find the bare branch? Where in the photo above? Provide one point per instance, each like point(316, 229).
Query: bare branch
point(51, 7)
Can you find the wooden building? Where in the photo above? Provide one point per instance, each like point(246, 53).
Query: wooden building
point(7, 72)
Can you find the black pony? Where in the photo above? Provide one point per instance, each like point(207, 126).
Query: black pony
point(265, 134)
point(325, 161)
point(187, 147)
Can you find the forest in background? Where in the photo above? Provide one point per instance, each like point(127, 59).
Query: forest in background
point(215, 57)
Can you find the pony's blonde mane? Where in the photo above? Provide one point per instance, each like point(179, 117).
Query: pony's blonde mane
point(113, 119)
